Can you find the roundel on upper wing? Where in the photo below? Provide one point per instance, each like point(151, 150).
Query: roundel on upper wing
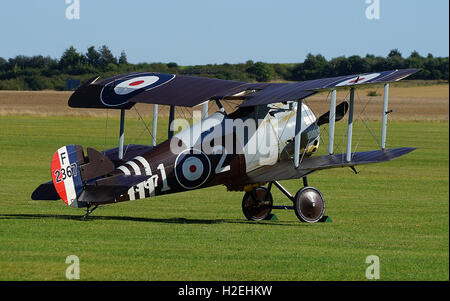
point(118, 92)
point(134, 84)
point(192, 168)
point(358, 79)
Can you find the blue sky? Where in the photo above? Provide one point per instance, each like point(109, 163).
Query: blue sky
point(194, 32)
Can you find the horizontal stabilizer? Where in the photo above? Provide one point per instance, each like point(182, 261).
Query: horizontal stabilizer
point(119, 182)
point(45, 192)
point(106, 190)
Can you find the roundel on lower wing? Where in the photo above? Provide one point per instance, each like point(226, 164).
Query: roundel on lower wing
point(192, 168)
point(118, 92)
point(358, 79)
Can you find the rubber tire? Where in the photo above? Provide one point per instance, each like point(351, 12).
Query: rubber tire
point(257, 211)
point(306, 197)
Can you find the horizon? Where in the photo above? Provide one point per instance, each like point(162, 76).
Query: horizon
point(223, 63)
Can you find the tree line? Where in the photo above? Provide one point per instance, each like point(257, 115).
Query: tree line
point(45, 73)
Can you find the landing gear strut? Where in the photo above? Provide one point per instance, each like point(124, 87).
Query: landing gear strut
point(308, 203)
point(88, 211)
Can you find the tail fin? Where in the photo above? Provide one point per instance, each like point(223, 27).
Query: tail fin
point(71, 170)
point(66, 173)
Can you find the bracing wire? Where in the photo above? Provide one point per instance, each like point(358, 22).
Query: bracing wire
point(106, 130)
point(324, 129)
point(361, 118)
point(143, 130)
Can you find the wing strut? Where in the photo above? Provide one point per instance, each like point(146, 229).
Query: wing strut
point(298, 132)
point(171, 119)
point(332, 117)
point(204, 110)
point(121, 133)
point(348, 156)
point(155, 124)
point(385, 112)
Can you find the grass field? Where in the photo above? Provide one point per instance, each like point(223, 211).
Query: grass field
point(397, 210)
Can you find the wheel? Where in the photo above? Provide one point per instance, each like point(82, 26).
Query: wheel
point(259, 208)
point(309, 205)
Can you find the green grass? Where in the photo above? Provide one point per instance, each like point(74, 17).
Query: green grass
point(397, 210)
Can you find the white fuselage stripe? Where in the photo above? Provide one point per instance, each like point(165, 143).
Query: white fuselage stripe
point(148, 170)
point(125, 170)
point(137, 171)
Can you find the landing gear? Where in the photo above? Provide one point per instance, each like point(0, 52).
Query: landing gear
point(257, 204)
point(88, 211)
point(309, 205)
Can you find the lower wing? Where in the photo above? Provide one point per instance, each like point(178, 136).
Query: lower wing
point(285, 170)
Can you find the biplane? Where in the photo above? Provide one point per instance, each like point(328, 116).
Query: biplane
point(272, 135)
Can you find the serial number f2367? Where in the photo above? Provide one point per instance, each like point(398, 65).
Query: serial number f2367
point(64, 173)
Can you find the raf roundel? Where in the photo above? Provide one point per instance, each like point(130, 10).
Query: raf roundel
point(134, 84)
point(118, 92)
point(359, 79)
point(192, 168)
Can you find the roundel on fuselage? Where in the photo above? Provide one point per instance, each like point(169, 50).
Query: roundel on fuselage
point(192, 168)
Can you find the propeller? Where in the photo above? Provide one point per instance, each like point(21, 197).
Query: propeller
point(341, 110)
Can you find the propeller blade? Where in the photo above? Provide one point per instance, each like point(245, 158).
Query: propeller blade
point(341, 110)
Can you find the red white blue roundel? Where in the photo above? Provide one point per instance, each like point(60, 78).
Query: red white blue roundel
point(119, 91)
point(358, 79)
point(192, 168)
point(134, 84)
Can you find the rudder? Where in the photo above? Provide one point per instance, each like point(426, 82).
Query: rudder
point(66, 175)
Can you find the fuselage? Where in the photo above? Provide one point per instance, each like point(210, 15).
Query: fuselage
point(220, 149)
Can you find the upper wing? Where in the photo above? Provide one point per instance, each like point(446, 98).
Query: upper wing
point(123, 91)
point(299, 90)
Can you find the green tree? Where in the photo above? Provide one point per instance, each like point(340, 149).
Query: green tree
point(16, 68)
point(262, 72)
point(106, 56)
point(282, 71)
point(312, 68)
point(394, 53)
point(394, 60)
point(123, 58)
point(172, 65)
point(70, 58)
point(338, 66)
point(358, 65)
point(93, 57)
